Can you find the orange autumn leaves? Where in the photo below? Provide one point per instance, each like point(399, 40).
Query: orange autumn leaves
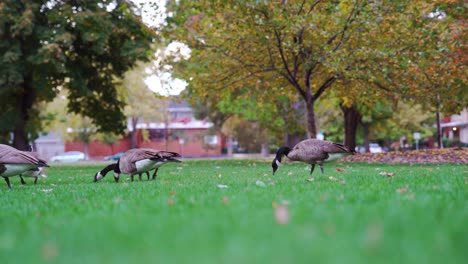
point(426, 156)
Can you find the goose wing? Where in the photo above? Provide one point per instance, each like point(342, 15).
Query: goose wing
point(306, 150)
point(167, 154)
point(15, 156)
point(331, 147)
point(128, 159)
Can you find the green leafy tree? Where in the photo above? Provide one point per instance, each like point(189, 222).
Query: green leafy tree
point(77, 45)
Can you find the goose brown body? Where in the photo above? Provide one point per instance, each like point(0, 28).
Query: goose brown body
point(15, 162)
point(311, 151)
point(138, 161)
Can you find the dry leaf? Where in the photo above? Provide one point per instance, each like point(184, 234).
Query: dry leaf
point(172, 192)
point(332, 178)
point(170, 201)
point(226, 200)
point(311, 179)
point(282, 216)
point(387, 174)
point(402, 190)
point(260, 184)
point(340, 170)
point(49, 250)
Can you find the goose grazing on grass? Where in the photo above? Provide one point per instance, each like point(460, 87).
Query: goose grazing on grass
point(138, 161)
point(33, 173)
point(15, 162)
point(311, 151)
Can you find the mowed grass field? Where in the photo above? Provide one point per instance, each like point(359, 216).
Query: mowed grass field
point(223, 211)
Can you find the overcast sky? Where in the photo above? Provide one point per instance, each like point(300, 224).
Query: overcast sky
point(153, 14)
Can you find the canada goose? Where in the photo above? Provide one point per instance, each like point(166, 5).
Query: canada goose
point(311, 151)
point(137, 161)
point(14, 162)
point(33, 173)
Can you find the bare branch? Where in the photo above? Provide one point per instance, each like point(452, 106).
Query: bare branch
point(324, 86)
point(313, 6)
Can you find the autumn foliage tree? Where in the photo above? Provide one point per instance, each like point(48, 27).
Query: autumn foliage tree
point(78, 45)
point(302, 49)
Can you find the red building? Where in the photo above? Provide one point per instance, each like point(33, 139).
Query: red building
point(183, 134)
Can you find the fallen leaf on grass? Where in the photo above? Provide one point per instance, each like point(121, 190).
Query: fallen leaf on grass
point(387, 174)
point(172, 192)
point(49, 250)
point(340, 170)
point(282, 216)
point(222, 186)
point(332, 178)
point(402, 190)
point(260, 184)
point(411, 196)
point(311, 179)
point(226, 200)
point(170, 201)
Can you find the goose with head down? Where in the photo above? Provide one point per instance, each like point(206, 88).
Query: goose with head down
point(311, 151)
point(138, 161)
point(16, 162)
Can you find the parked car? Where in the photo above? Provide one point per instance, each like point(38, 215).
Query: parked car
point(375, 148)
point(116, 156)
point(70, 156)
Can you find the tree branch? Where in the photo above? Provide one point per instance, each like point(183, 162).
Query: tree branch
point(324, 86)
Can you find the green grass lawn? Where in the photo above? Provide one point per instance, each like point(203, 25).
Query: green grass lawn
point(349, 215)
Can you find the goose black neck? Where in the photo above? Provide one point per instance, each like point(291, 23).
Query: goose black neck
point(282, 151)
point(111, 167)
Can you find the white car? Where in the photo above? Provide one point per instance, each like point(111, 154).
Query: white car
point(70, 156)
point(375, 148)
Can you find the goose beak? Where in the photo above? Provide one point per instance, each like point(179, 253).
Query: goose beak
point(97, 177)
point(275, 165)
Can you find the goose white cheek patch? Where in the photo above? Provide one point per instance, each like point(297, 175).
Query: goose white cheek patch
point(278, 163)
point(98, 176)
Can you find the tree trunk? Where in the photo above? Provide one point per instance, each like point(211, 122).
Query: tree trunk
point(311, 128)
point(133, 134)
point(264, 150)
point(365, 132)
point(229, 145)
point(24, 101)
point(440, 145)
point(166, 131)
point(86, 150)
point(352, 118)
